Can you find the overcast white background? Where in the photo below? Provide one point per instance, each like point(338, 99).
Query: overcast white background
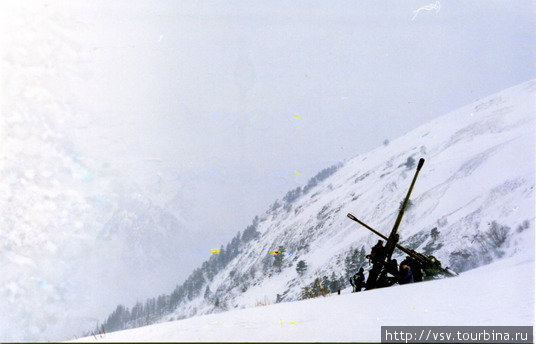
point(205, 92)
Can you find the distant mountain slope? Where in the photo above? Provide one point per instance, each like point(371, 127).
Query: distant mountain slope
point(472, 204)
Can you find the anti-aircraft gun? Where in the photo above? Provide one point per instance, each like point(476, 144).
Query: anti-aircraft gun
point(430, 264)
point(382, 264)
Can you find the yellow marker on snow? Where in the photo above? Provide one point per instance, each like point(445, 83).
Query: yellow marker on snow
point(274, 252)
point(296, 115)
point(296, 173)
point(214, 251)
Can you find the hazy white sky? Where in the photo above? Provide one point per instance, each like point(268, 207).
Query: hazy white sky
point(201, 96)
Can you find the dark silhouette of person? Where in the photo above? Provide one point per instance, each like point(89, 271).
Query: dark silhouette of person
point(377, 252)
point(359, 280)
point(416, 269)
point(376, 256)
point(392, 267)
point(405, 274)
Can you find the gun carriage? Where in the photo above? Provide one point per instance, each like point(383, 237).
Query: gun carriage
point(383, 264)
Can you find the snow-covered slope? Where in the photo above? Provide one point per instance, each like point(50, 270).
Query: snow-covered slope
point(479, 169)
point(476, 297)
point(472, 204)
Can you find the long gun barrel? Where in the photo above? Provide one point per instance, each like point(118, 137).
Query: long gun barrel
point(403, 207)
point(393, 238)
point(424, 260)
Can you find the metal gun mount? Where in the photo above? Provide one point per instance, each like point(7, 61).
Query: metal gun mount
point(430, 265)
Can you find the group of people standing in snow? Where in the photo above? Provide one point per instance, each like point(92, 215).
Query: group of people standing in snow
point(409, 270)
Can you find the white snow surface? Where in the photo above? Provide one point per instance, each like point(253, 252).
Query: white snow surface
point(494, 295)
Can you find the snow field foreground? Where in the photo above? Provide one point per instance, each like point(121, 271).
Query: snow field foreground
point(498, 294)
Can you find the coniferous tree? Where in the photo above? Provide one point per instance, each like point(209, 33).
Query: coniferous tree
point(292, 195)
point(343, 282)
point(353, 261)
point(222, 258)
point(434, 233)
point(325, 283)
point(408, 205)
point(306, 293)
point(359, 257)
point(318, 288)
point(161, 304)
point(410, 163)
point(315, 287)
point(116, 320)
point(234, 247)
point(350, 265)
point(278, 259)
point(301, 267)
point(207, 294)
point(136, 311)
point(334, 283)
point(250, 232)
point(320, 176)
point(362, 254)
point(252, 272)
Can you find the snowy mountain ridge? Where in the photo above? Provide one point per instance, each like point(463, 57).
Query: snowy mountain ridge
point(473, 203)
